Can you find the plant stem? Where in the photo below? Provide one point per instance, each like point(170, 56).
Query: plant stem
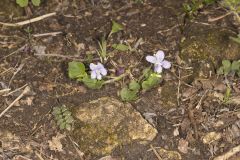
point(117, 78)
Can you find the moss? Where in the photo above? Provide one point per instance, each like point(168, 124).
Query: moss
point(206, 45)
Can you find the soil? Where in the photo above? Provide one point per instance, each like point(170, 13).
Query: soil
point(158, 25)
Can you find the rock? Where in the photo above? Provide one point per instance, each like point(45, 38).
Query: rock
point(107, 123)
point(211, 137)
point(169, 155)
point(205, 47)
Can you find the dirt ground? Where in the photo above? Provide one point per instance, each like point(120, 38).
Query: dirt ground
point(157, 24)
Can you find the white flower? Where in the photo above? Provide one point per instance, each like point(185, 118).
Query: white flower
point(97, 71)
point(158, 61)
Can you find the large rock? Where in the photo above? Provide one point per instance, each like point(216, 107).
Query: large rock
point(106, 123)
point(205, 47)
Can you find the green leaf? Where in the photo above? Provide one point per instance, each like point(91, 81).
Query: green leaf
point(134, 86)
point(226, 66)
point(60, 121)
point(76, 69)
point(56, 111)
point(92, 83)
point(227, 95)
point(22, 3)
point(128, 95)
point(116, 27)
point(103, 48)
point(235, 66)
point(67, 113)
point(68, 127)
point(69, 119)
point(62, 126)
point(36, 2)
point(235, 39)
point(151, 81)
point(120, 47)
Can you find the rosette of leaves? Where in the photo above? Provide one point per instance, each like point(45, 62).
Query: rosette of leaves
point(24, 3)
point(63, 117)
point(229, 67)
point(77, 70)
point(130, 93)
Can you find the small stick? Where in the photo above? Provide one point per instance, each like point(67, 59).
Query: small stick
point(28, 21)
point(228, 154)
point(179, 85)
point(218, 18)
point(200, 101)
point(14, 91)
point(18, 50)
point(25, 91)
point(14, 74)
point(155, 152)
point(47, 34)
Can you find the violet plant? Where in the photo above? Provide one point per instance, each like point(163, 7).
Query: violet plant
point(149, 79)
point(94, 77)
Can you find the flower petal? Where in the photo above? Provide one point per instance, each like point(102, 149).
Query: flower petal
point(151, 59)
point(93, 75)
point(103, 71)
point(99, 76)
point(158, 68)
point(160, 56)
point(92, 66)
point(166, 64)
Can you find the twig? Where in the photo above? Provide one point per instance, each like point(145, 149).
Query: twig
point(47, 34)
point(228, 154)
point(80, 153)
point(200, 101)
point(14, 74)
point(25, 91)
point(117, 78)
point(179, 85)
point(155, 152)
point(218, 18)
point(18, 50)
point(29, 21)
point(2, 91)
point(14, 91)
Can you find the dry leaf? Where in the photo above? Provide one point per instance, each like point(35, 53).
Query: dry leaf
point(28, 101)
point(55, 144)
point(176, 132)
point(183, 146)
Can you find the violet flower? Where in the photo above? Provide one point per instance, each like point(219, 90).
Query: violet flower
point(97, 71)
point(158, 61)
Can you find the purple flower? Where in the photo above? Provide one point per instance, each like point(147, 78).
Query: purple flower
point(158, 61)
point(97, 71)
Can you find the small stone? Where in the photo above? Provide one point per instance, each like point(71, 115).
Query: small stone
point(169, 155)
point(106, 123)
point(211, 137)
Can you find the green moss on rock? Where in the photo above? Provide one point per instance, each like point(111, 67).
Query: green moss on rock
point(106, 123)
